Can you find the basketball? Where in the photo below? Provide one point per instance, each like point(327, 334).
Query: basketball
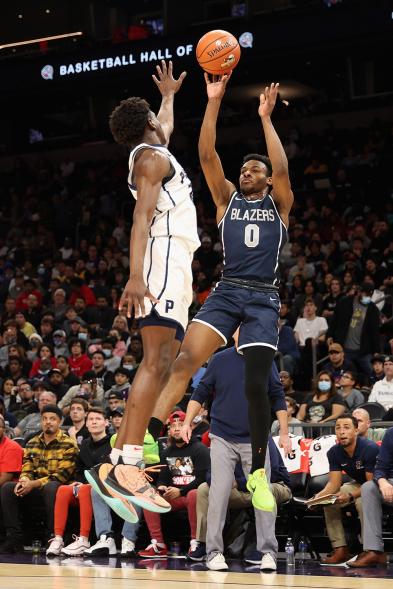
point(218, 52)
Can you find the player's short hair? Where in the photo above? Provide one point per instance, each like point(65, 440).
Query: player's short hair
point(351, 417)
point(128, 120)
point(259, 158)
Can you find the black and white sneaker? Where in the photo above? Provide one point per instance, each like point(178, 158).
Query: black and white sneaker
point(104, 547)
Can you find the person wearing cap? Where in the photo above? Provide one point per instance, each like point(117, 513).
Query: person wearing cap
point(338, 363)
point(382, 391)
point(59, 305)
point(115, 417)
point(35, 340)
point(122, 383)
point(49, 461)
point(76, 325)
point(377, 363)
point(115, 400)
point(55, 382)
point(186, 468)
point(31, 424)
point(78, 361)
point(60, 347)
point(355, 326)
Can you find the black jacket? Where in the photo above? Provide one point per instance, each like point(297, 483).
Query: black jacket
point(341, 319)
point(90, 454)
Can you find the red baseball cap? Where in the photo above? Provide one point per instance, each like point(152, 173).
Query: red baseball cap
point(180, 415)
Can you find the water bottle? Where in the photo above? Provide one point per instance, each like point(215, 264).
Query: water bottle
point(302, 550)
point(290, 553)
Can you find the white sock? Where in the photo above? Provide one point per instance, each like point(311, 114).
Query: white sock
point(60, 538)
point(115, 455)
point(132, 454)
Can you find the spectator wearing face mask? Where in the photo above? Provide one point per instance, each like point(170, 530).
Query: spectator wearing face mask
point(111, 362)
point(45, 353)
point(323, 404)
point(60, 347)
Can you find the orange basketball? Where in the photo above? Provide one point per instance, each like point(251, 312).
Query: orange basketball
point(218, 52)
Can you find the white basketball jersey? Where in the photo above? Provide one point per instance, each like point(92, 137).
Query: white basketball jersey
point(175, 213)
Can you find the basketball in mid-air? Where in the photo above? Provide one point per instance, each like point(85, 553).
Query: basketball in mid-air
point(218, 52)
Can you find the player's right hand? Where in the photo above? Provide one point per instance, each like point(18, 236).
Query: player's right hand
point(216, 88)
point(133, 297)
point(186, 432)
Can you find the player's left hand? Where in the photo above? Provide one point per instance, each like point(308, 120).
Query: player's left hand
point(284, 441)
point(267, 100)
point(165, 81)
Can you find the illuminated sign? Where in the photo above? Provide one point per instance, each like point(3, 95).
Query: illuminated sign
point(107, 63)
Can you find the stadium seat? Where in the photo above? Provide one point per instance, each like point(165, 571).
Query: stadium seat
point(375, 410)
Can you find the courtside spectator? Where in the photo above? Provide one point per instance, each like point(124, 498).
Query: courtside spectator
point(186, 468)
point(374, 494)
point(11, 455)
point(355, 456)
point(92, 451)
point(365, 430)
point(48, 461)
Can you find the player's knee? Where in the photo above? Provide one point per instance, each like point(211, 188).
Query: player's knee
point(184, 364)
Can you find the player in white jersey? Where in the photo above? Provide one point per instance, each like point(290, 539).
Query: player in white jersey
point(163, 239)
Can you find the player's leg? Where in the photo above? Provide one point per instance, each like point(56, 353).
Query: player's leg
point(129, 481)
point(160, 348)
point(258, 341)
point(200, 342)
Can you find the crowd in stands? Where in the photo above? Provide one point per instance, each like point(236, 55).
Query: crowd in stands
point(68, 355)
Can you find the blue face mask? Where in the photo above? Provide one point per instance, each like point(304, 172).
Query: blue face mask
point(365, 300)
point(82, 336)
point(324, 385)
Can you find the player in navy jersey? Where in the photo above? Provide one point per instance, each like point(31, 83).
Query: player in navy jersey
point(159, 290)
point(253, 227)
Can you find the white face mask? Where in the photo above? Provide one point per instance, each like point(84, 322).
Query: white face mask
point(128, 366)
point(107, 353)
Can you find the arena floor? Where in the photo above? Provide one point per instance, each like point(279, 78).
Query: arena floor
point(37, 572)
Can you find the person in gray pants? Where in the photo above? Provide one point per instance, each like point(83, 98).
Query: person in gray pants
point(374, 494)
point(230, 444)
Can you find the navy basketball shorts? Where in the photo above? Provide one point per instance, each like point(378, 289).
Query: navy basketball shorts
point(257, 314)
